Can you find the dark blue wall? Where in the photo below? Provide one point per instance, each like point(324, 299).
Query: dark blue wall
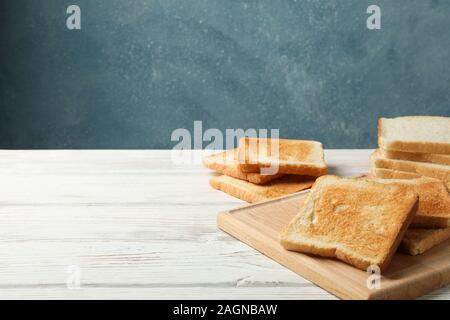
point(139, 69)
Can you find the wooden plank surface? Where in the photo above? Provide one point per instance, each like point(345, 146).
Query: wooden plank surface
point(136, 225)
point(407, 277)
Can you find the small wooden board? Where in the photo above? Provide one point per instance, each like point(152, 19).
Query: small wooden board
point(407, 277)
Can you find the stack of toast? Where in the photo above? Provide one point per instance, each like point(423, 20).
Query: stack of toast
point(263, 169)
point(406, 206)
point(411, 147)
point(364, 220)
point(414, 148)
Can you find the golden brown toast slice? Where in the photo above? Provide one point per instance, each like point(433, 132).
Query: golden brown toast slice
point(419, 157)
point(286, 156)
point(256, 193)
point(417, 241)
point(226, 163)
point(394, 174)
point(422, 134)
point(434, 201)
point(432, 170)
point(358, 221)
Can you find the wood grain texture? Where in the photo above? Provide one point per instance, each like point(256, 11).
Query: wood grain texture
point(138, 226)
point(407, 277)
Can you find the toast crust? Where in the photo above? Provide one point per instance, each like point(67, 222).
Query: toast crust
point(415, 146)
point(432, 170)
point(393, 174)
point(337, 220)
point(418, 241)
point(288, 156)
point(380, 131)
point(257, 193)
point(226, 163)
point(419, 157)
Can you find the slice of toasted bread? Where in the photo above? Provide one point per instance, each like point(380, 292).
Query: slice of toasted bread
point(434, 201)
point(422, 134)
point(394, 174)
point(285, 156)
point(432, 170)
point(417, 241)
point(226, 163)
point(256, 193)
point(419, 157)
point(358, 221)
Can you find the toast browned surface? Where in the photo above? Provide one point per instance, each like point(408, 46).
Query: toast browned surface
point(300, 157)
point(418, 241)
point(256, 193)
point(434, 201)
point(226, 163)
point(419, 157)
point(358, 221)
point(394, 174)
point(432, 170)
point(422, 134)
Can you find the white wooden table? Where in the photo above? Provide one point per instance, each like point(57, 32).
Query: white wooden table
point(132, 225)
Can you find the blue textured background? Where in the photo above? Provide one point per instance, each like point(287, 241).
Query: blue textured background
point(139, 69)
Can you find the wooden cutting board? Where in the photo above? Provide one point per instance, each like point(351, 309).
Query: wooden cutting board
point(407, 277)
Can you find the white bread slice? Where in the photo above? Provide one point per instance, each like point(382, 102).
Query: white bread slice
point(302, 157)
point(422, 134)
point(417, 241)
point(432, 170)
point(226, 163)
point(419, 157)
point(358, 221)
point(256, 193)
point(434, 201)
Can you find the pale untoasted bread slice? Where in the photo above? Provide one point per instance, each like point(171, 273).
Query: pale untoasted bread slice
point(286, 156)
point(422, 134)
point(256, 193)
point(419, 157)
point(432, 170)
point(434, 201)
point(358, 221)
point(226, 163)
point(417, 241)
